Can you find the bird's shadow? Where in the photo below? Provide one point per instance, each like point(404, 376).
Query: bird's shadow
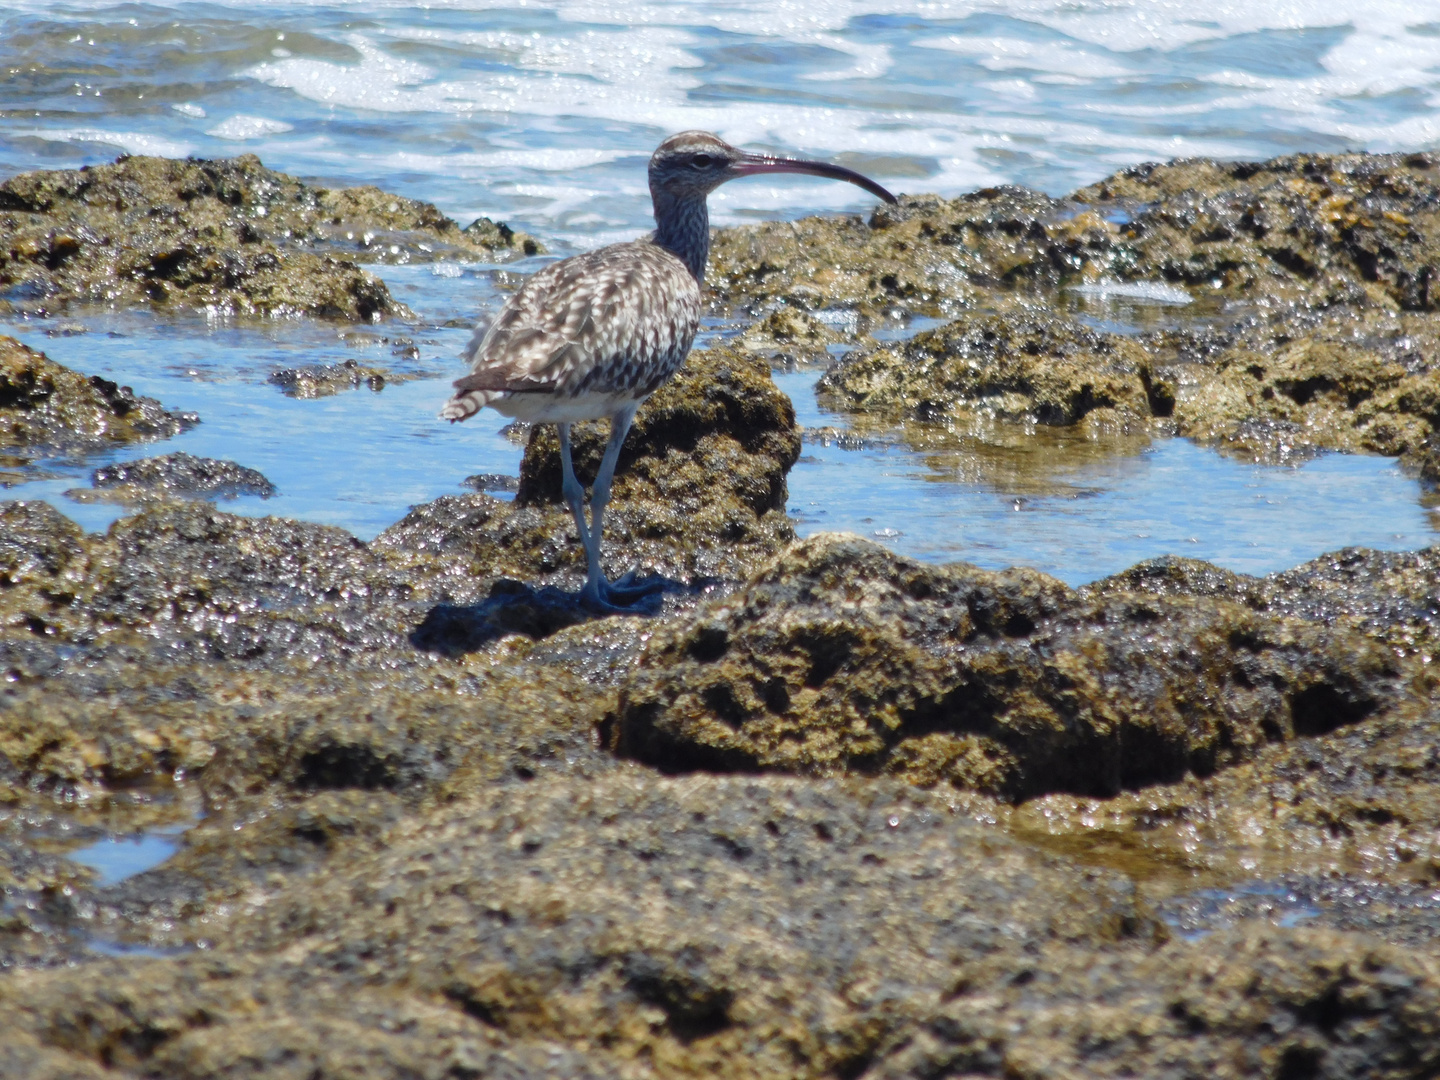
point(513, 607)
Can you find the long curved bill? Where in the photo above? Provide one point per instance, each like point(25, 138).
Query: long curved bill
point(755, 164)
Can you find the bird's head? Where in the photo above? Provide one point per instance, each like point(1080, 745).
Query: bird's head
point(694, 163)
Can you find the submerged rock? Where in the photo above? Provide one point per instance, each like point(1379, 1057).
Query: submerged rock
point(322, 380)
point(227, 235)
point(173, 475)
point(840, 657)
point(47, 408)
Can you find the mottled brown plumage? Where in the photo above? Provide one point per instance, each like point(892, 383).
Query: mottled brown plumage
point(594, 335)
point(582, 335)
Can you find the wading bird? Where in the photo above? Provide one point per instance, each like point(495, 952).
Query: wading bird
point(594, 335)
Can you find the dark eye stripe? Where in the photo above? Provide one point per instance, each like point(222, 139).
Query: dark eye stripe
point(701, 161)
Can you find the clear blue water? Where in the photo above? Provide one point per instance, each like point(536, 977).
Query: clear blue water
point(116, 858)
point(544, 113)
point(1084, 518)
point(357, 459)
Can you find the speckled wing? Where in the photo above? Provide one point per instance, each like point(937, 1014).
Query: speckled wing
point(616, 322)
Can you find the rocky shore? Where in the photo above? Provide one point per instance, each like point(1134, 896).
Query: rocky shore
point(821, 810)
point(229, 236)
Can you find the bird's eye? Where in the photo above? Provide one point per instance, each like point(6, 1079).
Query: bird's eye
point(700, 161)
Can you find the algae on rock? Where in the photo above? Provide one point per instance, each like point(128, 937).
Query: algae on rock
point(1018, 366)
point(47, 408)
point(840, 657)
point(227, 235)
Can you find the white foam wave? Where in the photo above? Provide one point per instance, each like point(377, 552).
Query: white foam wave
point(131, 142)
point(240, 127)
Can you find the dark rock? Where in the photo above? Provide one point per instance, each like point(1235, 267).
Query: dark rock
point(497, 236)
point(843, 658)
point(37, 544)
point(179, 474)
point(512, 608)
point(322, 380)
point(491, 482)
point(46, 408)
point(227, 235)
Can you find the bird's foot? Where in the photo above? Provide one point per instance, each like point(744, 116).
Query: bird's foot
point(625, 595)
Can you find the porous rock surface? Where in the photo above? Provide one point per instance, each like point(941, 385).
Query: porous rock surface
point(1015, 367)
point(227, 235)
point(841, 657)
point(177, 475)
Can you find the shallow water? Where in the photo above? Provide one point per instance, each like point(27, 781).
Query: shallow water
point(356, 459)
point(1026, 502)
point(544, 113)
point(118, 858)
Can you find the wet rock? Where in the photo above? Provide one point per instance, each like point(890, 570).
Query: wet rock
point(173, 475)
point(1356, 380)
point(840, 657)
point(37, 544)
point(927, 255)
point(1316, 227)
point(1388, 596)
point(1364, 800)
point(322, 380)
point(46, 408)
point(758, 926)
point(791, 336)
point(497, 236)
point(267, 590)
point(227, 235)
point(492, 482)
point(511, 608)
point(1262, 1003)
point(1036, 368)
point(1324, 262)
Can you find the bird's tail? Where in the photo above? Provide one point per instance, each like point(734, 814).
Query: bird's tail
point(465, 404)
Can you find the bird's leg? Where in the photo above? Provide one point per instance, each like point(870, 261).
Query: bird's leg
point(598, 591)
point(575, 497)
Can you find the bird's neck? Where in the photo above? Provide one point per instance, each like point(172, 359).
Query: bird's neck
point(682, 227)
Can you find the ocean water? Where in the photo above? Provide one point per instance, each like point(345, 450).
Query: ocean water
point(543, 114)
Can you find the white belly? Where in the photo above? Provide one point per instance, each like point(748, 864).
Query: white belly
point(553, 409)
